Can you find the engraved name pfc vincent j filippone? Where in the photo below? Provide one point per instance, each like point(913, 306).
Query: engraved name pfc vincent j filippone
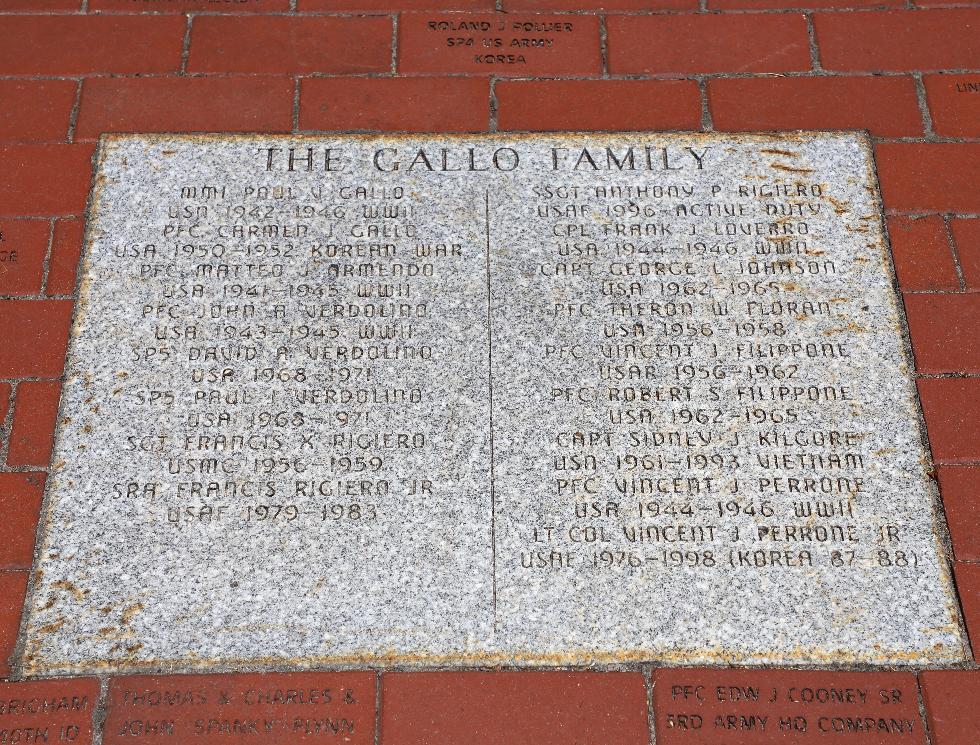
point(541, 399)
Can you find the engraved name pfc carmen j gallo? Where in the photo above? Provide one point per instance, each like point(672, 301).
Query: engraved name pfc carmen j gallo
point(543, 399)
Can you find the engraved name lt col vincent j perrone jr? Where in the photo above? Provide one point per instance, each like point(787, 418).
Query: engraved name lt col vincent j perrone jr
point(544, 399)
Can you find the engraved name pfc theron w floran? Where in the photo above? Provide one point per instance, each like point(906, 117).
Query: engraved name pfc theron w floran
point(548, 399)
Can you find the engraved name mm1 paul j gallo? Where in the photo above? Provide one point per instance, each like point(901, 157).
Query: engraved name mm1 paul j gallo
point(537, 399)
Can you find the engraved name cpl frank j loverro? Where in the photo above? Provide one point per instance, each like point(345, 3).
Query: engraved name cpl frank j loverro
point(540, 399)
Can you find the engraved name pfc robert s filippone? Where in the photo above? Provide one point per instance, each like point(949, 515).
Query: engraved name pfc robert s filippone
point(535, 399)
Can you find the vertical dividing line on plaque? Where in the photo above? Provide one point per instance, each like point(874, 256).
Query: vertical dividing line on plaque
point(493, 493)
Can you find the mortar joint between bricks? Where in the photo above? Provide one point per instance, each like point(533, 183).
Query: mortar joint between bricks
point(920, 701)
point(707, 123)
point(948, 229)
point(923, 101)
point(394, 44)
point(101, 711)
point(185, 51)
point(811, 37)
point(6, 426)
point(494, 105)
point(647, 672)
point(73, 115)
point(296, 89)
point(604, 45)
point(46, 263)
point(378, 693)
point(26, 469)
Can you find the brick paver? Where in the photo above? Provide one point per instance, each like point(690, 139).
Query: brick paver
point(940, 177)
point(78, 45)
point(257, 709)
point(899, 39)
point(431, 104)
point(951, 701)
point(584, 105)
point(961, 500)
point(44, 180)
point(954, 101)
point(23, 248)
point(694, 43)
point(966, 236)
point(20, 503)
point(887, 106)
point(280, 44)
point(243, 104)
point(922, 254)
point(438, 43)
point(532, 708)
point(35, 337)
point(952, 411)
point(758, 707)
point(48, 711)
point(66, 248)
point(36, 110)
point(35, 413)
point(943, 330)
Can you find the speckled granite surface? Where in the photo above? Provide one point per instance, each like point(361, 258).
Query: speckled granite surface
point(556, 399)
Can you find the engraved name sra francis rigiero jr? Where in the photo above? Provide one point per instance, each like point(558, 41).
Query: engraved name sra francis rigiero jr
point(483, 159)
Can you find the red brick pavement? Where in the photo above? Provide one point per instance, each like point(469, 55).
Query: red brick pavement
point(72, 69)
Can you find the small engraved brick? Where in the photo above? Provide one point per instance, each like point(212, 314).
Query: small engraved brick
point(701, 706)
point(530, 44)
point(23, 246)
point(264, 709)
point(48, 711)
point(954, 103)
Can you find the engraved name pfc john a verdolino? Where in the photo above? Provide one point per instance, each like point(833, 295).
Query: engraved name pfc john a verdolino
point(540, 399)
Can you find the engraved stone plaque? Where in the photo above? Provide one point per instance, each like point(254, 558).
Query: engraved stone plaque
point(548, 399)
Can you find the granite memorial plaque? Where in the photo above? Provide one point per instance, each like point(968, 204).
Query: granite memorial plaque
point(549, 399)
